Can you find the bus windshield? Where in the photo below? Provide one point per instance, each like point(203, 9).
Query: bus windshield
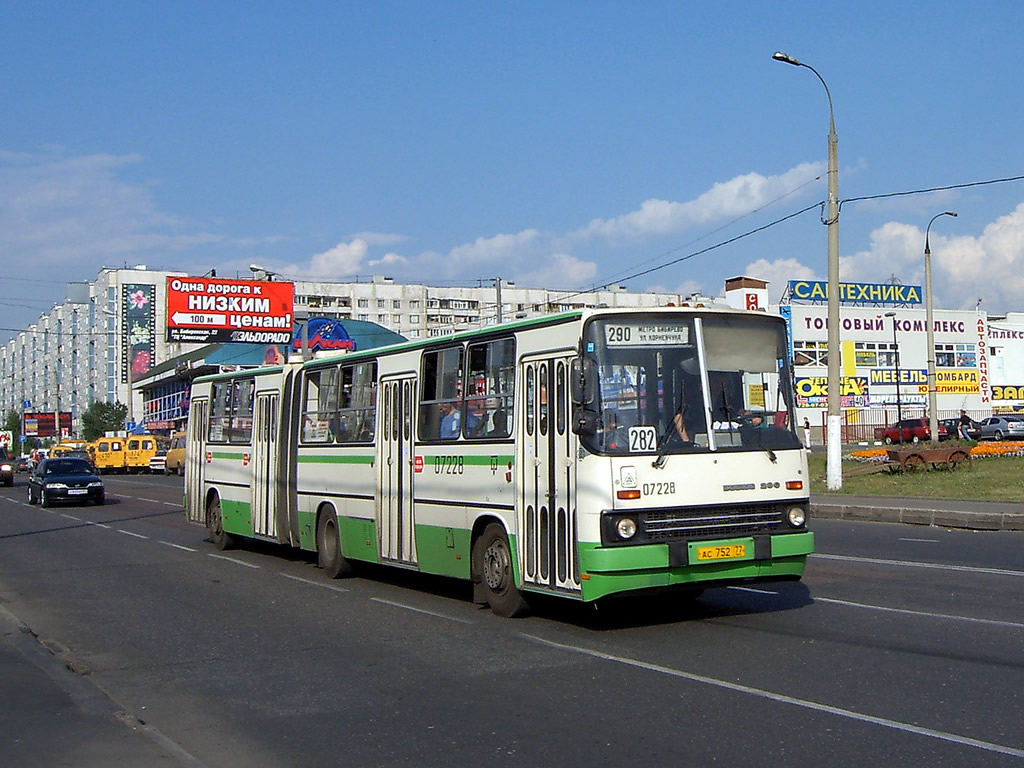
point(687, 383)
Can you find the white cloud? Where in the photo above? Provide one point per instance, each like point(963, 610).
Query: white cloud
point(778, 273)
point(562, 271)
point(991, 266)
point(388, 259)
point(737, 197)
point(337, 263)
point(964, 269)
point(896, 249)
point(487, 251)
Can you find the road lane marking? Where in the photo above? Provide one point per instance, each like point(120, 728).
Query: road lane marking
point(913, 564)
point(783, 699)
point(995, 622)
point(98, 525)
point(314, 583)
point(418, 610)
point(131, 533)
point(70, 517)
point(755, 591)
point(177, 546)
point(232, 560)
point(923, 541)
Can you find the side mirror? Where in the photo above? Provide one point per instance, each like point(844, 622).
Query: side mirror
point(583, 375)
point(584, 422)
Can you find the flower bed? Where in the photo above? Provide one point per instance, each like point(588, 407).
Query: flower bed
point(979, 451)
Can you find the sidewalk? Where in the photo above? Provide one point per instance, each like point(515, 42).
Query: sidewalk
point(53, 716)
point(943, 513)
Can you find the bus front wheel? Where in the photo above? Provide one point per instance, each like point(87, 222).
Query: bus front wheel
point(215, 523)
point(493, 573)
point(328, 547)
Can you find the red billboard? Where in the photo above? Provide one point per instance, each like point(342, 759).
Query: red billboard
point(211, 309)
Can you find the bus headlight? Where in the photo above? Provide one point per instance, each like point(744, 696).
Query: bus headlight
point(796, 516)
point(626, 528)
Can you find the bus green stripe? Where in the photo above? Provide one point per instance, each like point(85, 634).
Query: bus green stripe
point(322, 458)
point(470, 460)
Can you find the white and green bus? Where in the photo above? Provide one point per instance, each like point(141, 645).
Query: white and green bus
point(581, 454)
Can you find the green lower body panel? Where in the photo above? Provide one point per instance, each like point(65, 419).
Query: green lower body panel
point(607, 570)
point(444, 551)
point(236, 517)
point(358, 539)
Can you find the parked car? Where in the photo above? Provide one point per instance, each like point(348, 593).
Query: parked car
point(953, 428)
point(176, 454)
point(22, 464)
point(912, 431)
point(1002, 427)
point(64, 480)
point(6, 468)
point(158, 462)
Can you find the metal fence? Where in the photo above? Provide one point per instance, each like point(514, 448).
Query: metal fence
point(859, 426)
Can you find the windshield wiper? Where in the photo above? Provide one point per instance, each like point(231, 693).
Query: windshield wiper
point(659, 462)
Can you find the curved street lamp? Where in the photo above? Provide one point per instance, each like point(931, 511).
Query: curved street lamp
point(834, 470)
point(933, 420)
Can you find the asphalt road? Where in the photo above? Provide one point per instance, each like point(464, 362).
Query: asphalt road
point(904, 645)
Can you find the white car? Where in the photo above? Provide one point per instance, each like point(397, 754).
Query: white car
point(158, 463)
point(1002, 427)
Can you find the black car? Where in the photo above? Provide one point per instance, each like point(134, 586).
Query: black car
point(953, 427)
point(6, 467)
point(22, 464)
point(64, 480)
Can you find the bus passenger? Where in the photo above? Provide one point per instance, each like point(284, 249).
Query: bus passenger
point(450, 421)
point(499, 424)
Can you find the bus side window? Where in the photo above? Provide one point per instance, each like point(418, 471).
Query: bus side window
point(490, 384)
point(441, 405)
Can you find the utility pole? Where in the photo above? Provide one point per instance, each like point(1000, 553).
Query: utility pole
point(497, 288)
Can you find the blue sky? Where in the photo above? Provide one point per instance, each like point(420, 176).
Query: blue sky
point(561, 145)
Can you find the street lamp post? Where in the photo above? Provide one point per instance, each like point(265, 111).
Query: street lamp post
point(834, 470)
point(933, 419)
point(899, 402)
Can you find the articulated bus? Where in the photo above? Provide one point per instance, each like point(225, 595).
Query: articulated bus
point(582, 454)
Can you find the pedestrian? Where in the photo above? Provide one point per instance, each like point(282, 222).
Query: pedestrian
point(965, 425)
point(807, 433)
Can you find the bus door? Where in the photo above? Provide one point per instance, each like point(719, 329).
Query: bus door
point(395, 511)
point(545, 457)
point(195, 461)
point(264, 464)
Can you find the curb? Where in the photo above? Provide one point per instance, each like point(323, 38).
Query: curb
point(940, 518)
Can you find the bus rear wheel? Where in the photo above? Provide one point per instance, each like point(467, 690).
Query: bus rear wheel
point(215, 523)
point(493, 573)
point(328, 547)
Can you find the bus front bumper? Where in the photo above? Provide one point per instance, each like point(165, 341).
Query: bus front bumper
point(699, 564)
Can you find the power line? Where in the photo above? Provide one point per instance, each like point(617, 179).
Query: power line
point(931, 189)
point(906, 193)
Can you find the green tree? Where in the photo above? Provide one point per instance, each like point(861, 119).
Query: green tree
point(103, 417)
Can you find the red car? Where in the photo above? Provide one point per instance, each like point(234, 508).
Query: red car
point(912, 431)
